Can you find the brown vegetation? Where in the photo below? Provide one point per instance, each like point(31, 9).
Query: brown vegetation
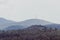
point(29, 34)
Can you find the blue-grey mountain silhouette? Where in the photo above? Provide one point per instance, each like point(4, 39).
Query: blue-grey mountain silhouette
point(4, 23)
point(30, 22)
point(14, 27)
point(53, 26)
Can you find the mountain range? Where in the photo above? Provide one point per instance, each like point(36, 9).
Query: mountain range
point(8, 24)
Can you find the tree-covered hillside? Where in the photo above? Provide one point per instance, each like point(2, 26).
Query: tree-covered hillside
point(35, 32)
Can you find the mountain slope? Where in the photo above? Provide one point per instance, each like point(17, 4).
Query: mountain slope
point(53, 26)
point(14, 27)
point(30, 22)
point(36, 27)
point(4, 23)
point(26, 23)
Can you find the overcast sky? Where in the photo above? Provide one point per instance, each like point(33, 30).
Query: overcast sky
point(19, 10)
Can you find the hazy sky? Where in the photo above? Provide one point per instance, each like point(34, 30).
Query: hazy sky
point(19, 10)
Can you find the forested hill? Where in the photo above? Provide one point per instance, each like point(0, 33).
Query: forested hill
point(35, 32)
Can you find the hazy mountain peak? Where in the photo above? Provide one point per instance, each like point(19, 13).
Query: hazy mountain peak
point(4, 23)
point(2, 19)
point(30, 22)
point(5, 20)
point(38, 20)
point(26, 23)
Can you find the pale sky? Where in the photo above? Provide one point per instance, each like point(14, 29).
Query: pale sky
point(19, 10)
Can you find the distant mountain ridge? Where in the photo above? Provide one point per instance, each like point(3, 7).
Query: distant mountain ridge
point(4, 23)
point(36, 27)
point(30, 22)
point(53, 26)
point(14, 27)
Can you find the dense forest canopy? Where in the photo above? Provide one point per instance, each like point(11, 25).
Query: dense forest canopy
point(34, 32)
